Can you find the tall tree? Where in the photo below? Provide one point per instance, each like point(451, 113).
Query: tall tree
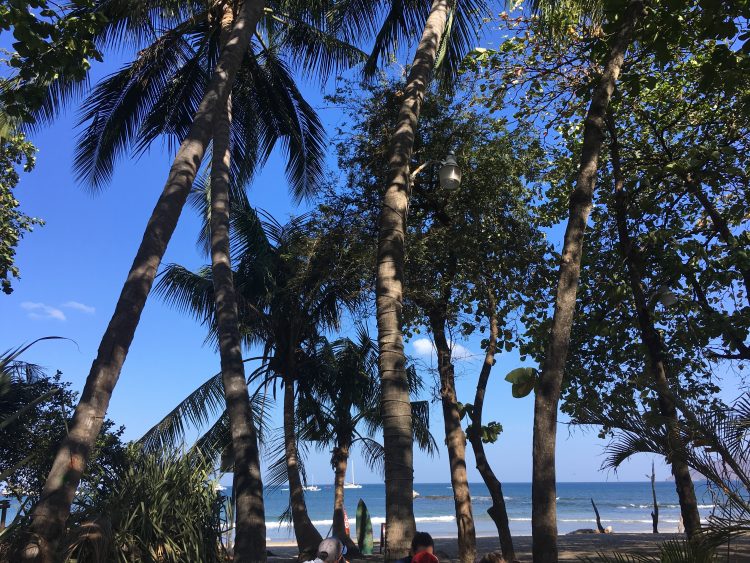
point(652, 342)
point(341, 412)
point(547, 395)
point(397, 433)
point(137, 105)
point(51, 512)
point(247, 484)
point(447, 265)
point(292, 284)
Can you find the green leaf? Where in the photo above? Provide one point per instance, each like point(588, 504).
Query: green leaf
point(523, 380)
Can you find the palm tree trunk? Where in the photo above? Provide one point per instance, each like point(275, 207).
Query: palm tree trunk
point(654, 351)
point(51, 512)
point(396, 406)
point(455, 439)
point(307, 536)
point(497, 511)
point(543, 490)
point(247, 485)
point(340, 460)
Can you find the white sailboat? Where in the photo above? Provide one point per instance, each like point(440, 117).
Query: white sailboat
point(353, 484)
point(311, 488)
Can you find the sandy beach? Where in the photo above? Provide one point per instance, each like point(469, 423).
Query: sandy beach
point(572, 547)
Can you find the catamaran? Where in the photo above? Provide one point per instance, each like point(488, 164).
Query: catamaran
point(353, 484)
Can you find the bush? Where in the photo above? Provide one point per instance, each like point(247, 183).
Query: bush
point(161, 508)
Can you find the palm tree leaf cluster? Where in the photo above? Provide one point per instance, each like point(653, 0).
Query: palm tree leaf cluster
point(718, 448)
point(155, 95)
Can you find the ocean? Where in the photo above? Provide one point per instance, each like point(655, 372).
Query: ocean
point(624, 506)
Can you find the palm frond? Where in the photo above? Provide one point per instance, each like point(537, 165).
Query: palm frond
point(401, 23)
point(315, 50)
point(271, 108)
point(189, 292)
point(462, 34)
point(196, 410)
point(374, 454)
point(420, 423)
point(119, 104)
point(671, 551)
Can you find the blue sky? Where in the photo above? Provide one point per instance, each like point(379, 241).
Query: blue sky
point(73, 269)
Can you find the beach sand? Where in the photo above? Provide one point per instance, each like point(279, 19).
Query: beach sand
point(571, 547)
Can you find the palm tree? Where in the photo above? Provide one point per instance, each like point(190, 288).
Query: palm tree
point(155, 95)
point(342, 410)
point(547, 395)
point(291, 285)
point(448, 30)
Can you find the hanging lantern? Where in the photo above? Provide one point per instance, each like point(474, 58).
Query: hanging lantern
point(666, 296)
point(450, 173)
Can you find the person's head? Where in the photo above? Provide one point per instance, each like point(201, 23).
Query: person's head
point(331, 550)
point(422, 542)
point(493, 557)
point(424, 557)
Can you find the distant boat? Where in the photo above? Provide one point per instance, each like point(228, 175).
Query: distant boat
point(353, 484)
point(311, 488)
point(5, 491)
point(414, 494)
point(218, 487)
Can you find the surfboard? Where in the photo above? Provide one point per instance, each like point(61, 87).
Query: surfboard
point(364, 529)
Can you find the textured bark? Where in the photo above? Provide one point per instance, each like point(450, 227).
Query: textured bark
point(51, 512)
point(543, 490)
point(655, 353)
point(340, 460)
point(396, 406)
point(308, 538)
point(497, 511)
point(247, 485)
point(455, 440)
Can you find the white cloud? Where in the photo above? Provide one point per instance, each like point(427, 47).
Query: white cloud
point(424, 348)
point(88, 309)
point(42, 311)
point(461, 352)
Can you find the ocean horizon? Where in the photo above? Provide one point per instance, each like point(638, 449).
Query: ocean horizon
point(626, 506)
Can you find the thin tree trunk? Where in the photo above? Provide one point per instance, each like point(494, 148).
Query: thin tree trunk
point(455, 440)
point(51, 512)
point(655, 511)
point(340, 460)
point(308, 537)
point(720, 224)
point(655, 353)
point(497, 511)
point(543, 490)
point(247, 485)
point(396, 406)
point(599, 527)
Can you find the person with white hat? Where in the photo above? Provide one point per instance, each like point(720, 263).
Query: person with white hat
point(330, 550)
